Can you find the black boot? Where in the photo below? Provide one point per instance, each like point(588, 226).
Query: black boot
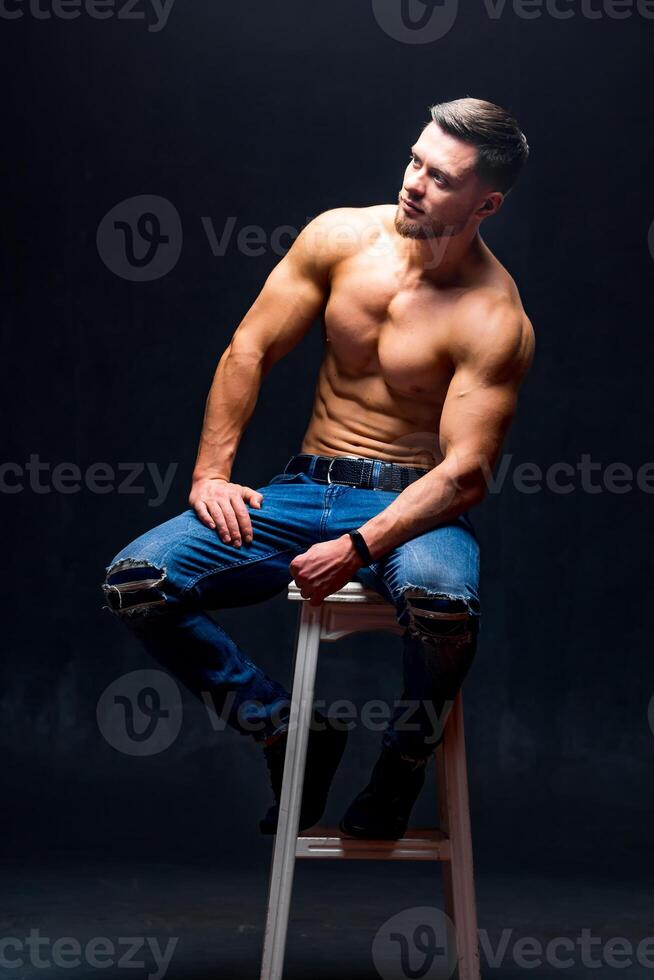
point(325, 748)
point(381, 811)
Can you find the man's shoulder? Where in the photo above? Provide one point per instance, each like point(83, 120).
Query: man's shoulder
point(340, 232)
point(371, 215)
point(492, 328)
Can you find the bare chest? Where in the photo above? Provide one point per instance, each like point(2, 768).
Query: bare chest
point(377, 325)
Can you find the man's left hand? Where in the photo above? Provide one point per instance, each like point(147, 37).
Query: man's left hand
point(325, 568)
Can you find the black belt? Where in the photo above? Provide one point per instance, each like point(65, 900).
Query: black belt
point(356, 471)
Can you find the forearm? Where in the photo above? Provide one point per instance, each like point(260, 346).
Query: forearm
point(439, 496)
point(229, 407)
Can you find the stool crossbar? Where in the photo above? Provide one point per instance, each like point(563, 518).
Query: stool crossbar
point(355, 609)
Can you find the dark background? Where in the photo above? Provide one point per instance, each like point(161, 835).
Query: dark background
point(272, 113)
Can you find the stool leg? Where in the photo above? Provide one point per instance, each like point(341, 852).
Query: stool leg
point(283, 863)
point(458, 876)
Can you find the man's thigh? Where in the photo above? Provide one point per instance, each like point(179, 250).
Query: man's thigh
point(433, 580)
point(183, 562)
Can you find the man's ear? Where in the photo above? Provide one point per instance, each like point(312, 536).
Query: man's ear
point(491, 205)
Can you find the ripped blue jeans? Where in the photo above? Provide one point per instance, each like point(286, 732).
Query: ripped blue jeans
point(161, 584)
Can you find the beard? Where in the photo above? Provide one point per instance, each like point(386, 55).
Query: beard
point(411, 228)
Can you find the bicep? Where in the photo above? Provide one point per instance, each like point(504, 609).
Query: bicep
point(475, 418)
point(482, 396)
point(292, 296)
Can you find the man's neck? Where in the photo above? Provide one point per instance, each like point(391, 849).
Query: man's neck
point(441, 260)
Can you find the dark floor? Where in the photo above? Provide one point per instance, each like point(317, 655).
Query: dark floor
point(210, 919)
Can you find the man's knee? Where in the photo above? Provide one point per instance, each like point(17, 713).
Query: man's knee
point(439, 616)
point(135, 587)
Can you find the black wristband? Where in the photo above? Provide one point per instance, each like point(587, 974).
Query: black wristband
point(361, 547)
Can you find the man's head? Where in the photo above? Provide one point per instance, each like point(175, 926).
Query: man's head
point(461, 167)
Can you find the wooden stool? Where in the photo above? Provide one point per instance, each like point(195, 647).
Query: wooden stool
point(355, 609)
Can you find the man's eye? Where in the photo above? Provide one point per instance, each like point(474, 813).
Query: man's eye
point(439, 179)
point(414, 161)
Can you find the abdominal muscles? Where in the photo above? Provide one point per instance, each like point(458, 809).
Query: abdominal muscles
point(361, 414)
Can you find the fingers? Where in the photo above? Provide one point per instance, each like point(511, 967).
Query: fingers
point(232, 534)
point(231, 517)
point(252, 497)
point(222, 527)
point(315, 596)
point(237, 526)
point(308, 590)
point(243, 518)
point(204, 515)
point(221, 506)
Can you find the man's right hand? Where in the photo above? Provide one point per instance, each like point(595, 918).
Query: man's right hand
point(220, 505)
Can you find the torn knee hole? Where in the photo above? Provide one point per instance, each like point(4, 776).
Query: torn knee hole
point(439, 615)
point(131, 586)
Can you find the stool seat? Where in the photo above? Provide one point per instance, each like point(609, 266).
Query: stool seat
point(352, 609)
point(351, 592)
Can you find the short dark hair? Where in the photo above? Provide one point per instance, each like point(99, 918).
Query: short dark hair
point(502, 146)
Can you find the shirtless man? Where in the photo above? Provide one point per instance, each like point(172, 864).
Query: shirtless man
point(426, 345)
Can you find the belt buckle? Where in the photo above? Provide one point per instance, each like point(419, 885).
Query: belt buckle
point(333, 460)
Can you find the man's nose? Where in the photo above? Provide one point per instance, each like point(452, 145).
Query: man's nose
point(414, 183)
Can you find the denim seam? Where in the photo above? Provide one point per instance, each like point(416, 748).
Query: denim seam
point(331, 493)
point(232, 565)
